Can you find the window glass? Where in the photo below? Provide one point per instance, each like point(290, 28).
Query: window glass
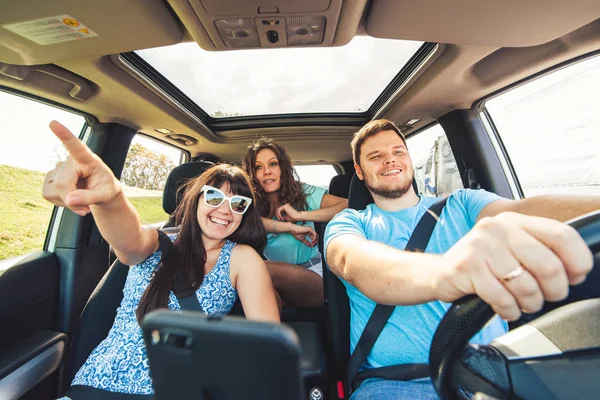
point(316, 175)
point(550, 128)
point(436, 172)
point(145, 173)
point(28, 149)
point(292, 80)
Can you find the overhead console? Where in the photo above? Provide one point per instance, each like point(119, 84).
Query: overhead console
point(248, 24)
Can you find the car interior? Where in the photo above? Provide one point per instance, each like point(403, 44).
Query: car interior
point(208, 77)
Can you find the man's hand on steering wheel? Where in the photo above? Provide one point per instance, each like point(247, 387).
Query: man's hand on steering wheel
point(474, 368)
point(513, 262)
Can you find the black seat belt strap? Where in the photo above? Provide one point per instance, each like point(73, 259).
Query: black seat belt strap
point(164, 243)
point(418, 242)
point(189, 303)
point(187, 298)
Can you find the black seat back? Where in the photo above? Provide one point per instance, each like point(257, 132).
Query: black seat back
point(338, 186)
point(337, 303)
point(178, 177)
point(97, 316)
point(100, 310)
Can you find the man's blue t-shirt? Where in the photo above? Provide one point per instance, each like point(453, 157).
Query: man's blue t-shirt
point(407, 336)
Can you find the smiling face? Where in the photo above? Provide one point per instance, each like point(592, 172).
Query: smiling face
point(385, 166)
point(217, 223)
point(267, 171)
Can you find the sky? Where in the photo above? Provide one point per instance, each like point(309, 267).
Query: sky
point(27, 141)
point(551, 127)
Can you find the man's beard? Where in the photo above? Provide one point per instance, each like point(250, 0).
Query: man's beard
point(389, 193)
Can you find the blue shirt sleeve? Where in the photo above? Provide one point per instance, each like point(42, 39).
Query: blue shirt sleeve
point(314, 196)
point(474, 201)
point(347, 221)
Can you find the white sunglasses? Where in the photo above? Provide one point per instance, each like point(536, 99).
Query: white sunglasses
point(214, 197)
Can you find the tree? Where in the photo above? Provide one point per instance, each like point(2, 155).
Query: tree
point(59, 153)
point(221, 114)
point(146, 169)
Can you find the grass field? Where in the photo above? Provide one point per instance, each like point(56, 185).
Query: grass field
point(24, 214)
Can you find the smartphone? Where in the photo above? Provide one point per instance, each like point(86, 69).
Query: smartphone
point(193, 356)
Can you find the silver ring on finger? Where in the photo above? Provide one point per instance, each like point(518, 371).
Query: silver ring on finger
point(512, 274)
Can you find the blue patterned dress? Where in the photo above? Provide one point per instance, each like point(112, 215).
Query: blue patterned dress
point(120, 363)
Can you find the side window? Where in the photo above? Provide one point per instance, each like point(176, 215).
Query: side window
point(146, 169)
point(28, 149)
point(550, 130)
point(436, 172)
point(316, 175)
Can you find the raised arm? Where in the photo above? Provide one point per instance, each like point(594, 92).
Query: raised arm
point(512, 261)
point(84, 183)
point(560, 208)
point(330, 206)
point(252, 281)
point(305, 234)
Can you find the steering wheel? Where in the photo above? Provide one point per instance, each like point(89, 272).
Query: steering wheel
point(556, 356)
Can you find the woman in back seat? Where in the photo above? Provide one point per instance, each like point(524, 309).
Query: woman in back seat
point(213, 258)
point(289, 209)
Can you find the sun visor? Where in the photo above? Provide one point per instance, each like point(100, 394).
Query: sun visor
point(506, 23)
point(42, 32)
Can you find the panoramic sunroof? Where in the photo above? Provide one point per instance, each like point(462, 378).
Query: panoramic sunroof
point(283, 81)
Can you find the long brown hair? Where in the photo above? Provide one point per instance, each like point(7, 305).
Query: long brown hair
point(188, 255)
point(291, 188)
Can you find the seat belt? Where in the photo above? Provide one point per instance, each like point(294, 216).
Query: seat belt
point(181, 285)
point(418, 242)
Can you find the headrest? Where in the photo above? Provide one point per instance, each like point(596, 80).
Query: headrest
point(360, 197)
point(340, 186)
point(181, 174)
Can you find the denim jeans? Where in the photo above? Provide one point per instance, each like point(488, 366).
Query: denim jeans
point(381, 389)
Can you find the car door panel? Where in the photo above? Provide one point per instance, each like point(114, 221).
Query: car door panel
point(29, 349)
point(27, 363)
point(29, 292)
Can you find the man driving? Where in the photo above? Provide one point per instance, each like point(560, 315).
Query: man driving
point(513, 254)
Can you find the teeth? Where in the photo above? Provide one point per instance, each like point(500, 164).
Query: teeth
point(219, 221)
point(393, 171)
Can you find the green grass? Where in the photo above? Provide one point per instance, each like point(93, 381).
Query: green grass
point(25, 215)
point(150, 209)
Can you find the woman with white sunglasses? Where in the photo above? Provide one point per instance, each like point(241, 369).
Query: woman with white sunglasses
point(213, 258)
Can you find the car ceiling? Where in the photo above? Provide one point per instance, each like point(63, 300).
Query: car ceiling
point(482, 48)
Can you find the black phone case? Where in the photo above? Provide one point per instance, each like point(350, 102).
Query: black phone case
point(197, 357)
